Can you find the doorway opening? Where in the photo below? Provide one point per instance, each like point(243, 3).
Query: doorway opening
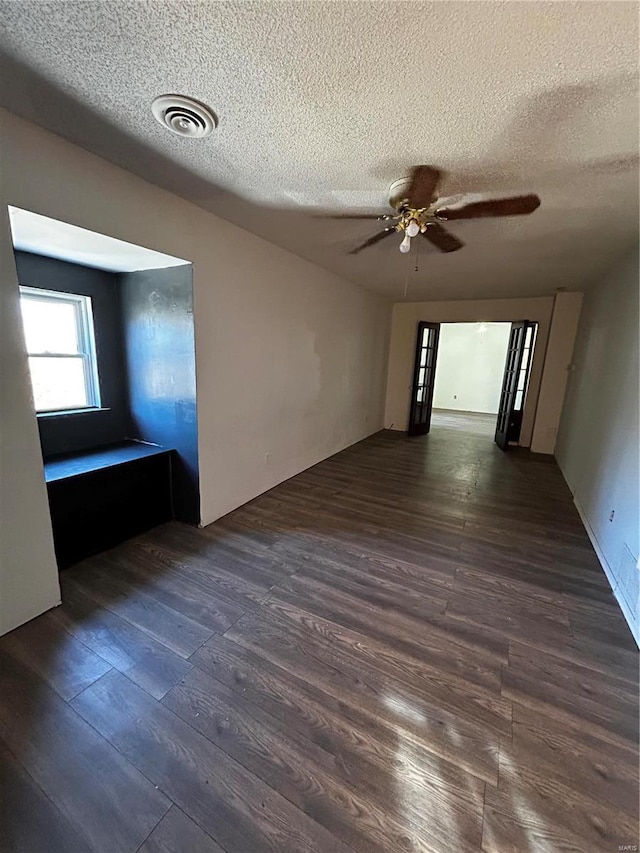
point(472, 378)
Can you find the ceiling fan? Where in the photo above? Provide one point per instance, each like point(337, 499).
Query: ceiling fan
point(415, 200)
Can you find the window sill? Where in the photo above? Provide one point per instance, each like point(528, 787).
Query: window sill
point(63, 413)
point(69, 465)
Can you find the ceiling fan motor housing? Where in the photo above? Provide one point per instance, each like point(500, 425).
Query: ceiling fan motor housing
point(398, 191)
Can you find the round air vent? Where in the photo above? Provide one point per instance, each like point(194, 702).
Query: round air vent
point(184, 116)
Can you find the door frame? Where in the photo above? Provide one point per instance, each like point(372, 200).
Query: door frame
point(538, 348)
point(518, 413)
point(423, 427)
point(505, 426)
point(405, 319)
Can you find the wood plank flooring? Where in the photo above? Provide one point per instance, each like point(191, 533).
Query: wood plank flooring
point(409, 647)
point(475, 423)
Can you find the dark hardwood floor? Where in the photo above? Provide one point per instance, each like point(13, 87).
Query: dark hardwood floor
point(409, 647)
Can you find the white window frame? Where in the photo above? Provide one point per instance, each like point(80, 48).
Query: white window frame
point(86, 343)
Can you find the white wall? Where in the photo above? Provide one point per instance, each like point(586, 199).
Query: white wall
point(598, 441)
point(28, 572)
point(470, 366)
point(290, 359)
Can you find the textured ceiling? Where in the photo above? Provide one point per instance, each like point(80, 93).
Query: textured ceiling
point(323, 104)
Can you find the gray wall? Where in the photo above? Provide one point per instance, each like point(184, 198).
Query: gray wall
point(597, 446)
point(157, 311)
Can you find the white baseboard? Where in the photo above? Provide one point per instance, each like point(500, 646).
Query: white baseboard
point(606, 568)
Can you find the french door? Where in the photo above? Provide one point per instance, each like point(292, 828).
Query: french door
point(514, 382)
point(424, 373)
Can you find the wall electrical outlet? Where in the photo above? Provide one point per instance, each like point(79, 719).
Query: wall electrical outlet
point(612, 514)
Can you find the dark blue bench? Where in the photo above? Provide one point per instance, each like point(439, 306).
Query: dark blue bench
point(102, 497)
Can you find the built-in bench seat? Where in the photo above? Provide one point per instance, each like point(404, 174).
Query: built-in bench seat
point(101, 497)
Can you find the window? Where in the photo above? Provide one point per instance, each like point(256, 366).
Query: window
point(58, 330)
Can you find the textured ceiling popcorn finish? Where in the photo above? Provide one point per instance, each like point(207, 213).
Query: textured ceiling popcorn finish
point(322, 105)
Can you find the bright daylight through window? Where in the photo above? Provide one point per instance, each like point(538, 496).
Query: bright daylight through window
point(58, 330)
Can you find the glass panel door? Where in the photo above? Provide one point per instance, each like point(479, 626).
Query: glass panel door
point(423, 378)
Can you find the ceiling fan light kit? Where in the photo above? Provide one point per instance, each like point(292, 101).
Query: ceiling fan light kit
point(416, 202)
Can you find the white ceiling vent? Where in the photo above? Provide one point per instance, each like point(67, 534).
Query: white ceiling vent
point(184, 116)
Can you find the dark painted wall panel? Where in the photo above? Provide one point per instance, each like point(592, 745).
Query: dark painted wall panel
point(157, 311)
point(69, 433)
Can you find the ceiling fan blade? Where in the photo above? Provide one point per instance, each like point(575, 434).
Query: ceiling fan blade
point(376, 237)
point(443, 239)
point(356, 216)
point(423, 187)
point(515, 206)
